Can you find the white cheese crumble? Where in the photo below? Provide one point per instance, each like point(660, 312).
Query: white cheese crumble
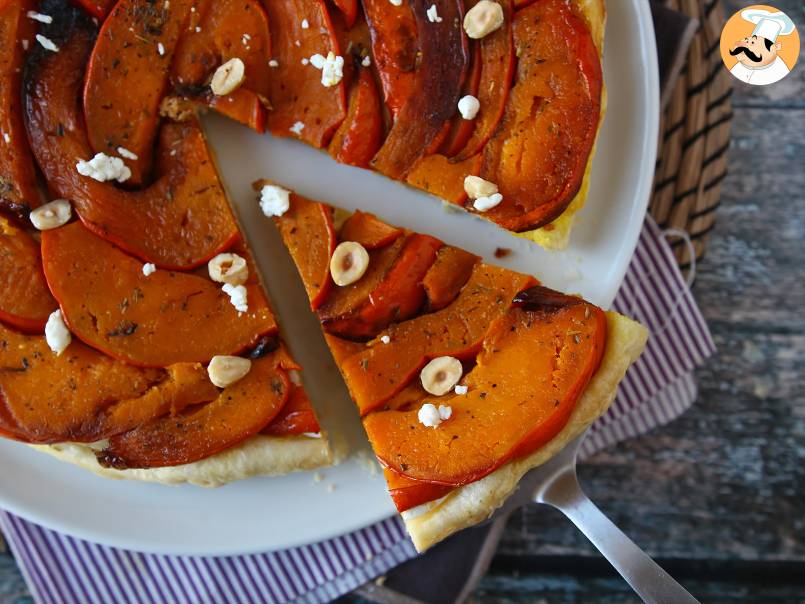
point(305, 61)
point(6, 137)
point(396, 2)
point(430, 417)
point(385, 339)
point(149, 268)
point(482, 204)
point(367, 60)
point(161, 49)
point(297, 128)
point(273, 63)
point(305, 24)
point(461, 389)
point(56, 333)
point(433, 14)
point(32, 14)
point(468, 107)
point(102, 167)
point(47, 43)
point(238, 296)
point(123, 152)
point(274, 200)
point(332, 68)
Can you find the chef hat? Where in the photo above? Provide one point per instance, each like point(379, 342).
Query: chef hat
point(768, 25)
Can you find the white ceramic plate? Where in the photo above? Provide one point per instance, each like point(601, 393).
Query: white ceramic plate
point(273, 513)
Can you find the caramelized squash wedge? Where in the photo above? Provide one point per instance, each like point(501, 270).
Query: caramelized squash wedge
point(308, 232)
point(533, 367)
point(240, 411)
point(18, 194)
point(25, 300)
point(539, 152)
point(368, 230)
point(127, 77)
point(151, 321)
point(296, 418)
point(448, 275)
point(377, 373)
point(360, 135)
point(301, 105)
point(180, 221)
point(83, 395)
point(442, 177)
point(442, 66)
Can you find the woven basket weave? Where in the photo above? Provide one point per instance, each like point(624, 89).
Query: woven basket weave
point(694, 135)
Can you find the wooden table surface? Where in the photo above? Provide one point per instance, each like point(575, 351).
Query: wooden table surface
point(716, 496)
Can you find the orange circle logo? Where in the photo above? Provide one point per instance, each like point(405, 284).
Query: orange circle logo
point(760, 45)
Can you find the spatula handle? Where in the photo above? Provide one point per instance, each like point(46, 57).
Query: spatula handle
point(645, 576)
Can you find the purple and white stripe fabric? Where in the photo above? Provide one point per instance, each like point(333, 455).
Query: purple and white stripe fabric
point(64, 570)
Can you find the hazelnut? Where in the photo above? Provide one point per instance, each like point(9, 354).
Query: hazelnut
point(348, 263)
point(226, 370)
point(440, 375)
point(228, 77)
point(51, 215)
point(482, 19)
point(228, 268)
point(476, 187)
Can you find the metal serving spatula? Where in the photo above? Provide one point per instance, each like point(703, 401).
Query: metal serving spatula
point(555, 483)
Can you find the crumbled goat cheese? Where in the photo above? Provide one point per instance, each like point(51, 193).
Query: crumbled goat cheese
point(123, 152)
point(161, 49)
point(305, 24)
point(433, 14)
point(238, 296)
point(32, 14)
point(332, 68)
point(367, 60)
point(297, 128)
point(396, 2)
point(482, 204)
point(430, 417)
point(468, 107)
point(385, 339)
point(6, 137)
point(305, 61)
point(102, 167)
point(461, 389)
point(274, 200)
point(149, 269)
point(47, 43)
point(57, 335)
point(273, 63)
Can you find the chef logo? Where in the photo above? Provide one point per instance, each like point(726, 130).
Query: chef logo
point(760, 45)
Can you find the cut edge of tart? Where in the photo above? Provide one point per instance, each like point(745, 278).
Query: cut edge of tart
point(441, 471)
point(259, 455)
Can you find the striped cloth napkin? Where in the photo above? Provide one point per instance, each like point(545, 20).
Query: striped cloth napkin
point(60, 569)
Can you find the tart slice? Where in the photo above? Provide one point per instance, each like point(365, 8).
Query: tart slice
point(118, 352)
point(466, 375)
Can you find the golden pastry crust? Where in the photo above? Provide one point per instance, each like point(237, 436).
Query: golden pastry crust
point(257, 456)
point(473, 503)
point(556, 235)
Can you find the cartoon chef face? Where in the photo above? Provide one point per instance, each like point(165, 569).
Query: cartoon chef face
point(755, 51)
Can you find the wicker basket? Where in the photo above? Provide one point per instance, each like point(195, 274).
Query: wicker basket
point(694, 135)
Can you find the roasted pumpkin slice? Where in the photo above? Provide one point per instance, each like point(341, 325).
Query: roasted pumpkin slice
point(308, 232)
point(18, 194)
point(359, 137)
point(296, 418)
point(301, 105)
point(348, 8)
point(533, 367)
point(397, 296)
point(394, 49)
point(379, 372)
point(25, 300)
point(440, 176)
point(539, 152)
point(496, 60)
point(368, 230)
point(154, 320)
point(180, 221)
point(448, 275)
point(217, 32)
point(407, 493)
point(127, 77)
point(240, 411)
point(442, 66)
point(85, 396)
